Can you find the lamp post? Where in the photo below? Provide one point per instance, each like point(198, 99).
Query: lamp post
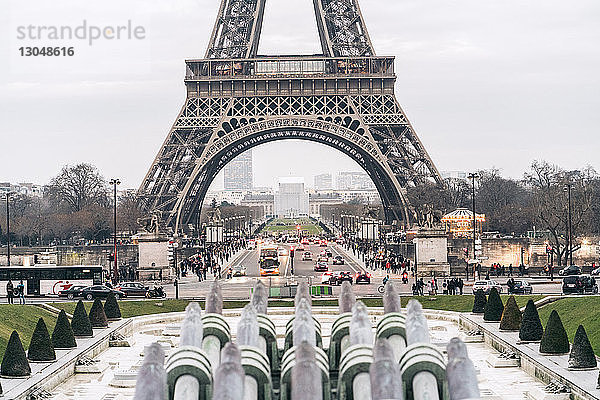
point(472, 176)
point(114, 183)
point(8, 227)
point(568, 188)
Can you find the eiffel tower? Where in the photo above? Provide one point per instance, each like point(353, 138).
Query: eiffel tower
point(237, 99)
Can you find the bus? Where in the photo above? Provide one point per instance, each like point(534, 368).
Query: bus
point(49, 279)
point(269, 261)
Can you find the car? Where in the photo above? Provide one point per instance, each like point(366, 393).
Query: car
point(323, 243)
point(133, 289)
point(326, 278)
point(344, 276)
point(322, 258)
point(570, 270)
point(282, 252)
point(579, 284)
point(321, 266)
point(338, 260)
point(328, 253)
point(305, 241)
point(100, 292)
point(596, 271)
point(520, 287)
point(251, 244)
point(238, 270)
point(307, 256)
point(72, 292)
point(362, 277)
point(486, 286)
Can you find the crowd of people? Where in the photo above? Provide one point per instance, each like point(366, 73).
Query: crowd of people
point(211, 260)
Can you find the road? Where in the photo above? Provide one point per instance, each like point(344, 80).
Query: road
point(240, 287)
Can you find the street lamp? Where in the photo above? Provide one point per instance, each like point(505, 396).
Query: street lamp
point(8, 227)
point(567, 189)
point(472, 176)
point(114, 183)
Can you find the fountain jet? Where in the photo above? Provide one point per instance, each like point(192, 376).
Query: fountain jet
point(361, 331)
point(306, 375)
point(347, 298)
point(260, 297)
point(191, 327)
point(416, 324)
point(391, 299)
point(247, 331)
point(151, 381)
point(304, 325)
point(214, 300)
point(386, 381)
point(229, 376)
point(460, 372)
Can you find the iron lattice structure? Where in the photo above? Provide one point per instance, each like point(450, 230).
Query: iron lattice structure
point(237, 100)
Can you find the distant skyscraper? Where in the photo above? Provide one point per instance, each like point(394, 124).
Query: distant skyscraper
point(323, 182)
point(291, 200)
point(238, 173)
point(354, 181)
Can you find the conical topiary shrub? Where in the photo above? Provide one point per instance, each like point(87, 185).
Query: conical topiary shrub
point(62, 336)
point(511, 316)
point(493, 307)
point(14, 362)
point(97, 315)
point(531, 329)
point(479, 303)
point(582, 354)
point(40, 348)
point(111, 308)
point(81, 322)
point(554, 340)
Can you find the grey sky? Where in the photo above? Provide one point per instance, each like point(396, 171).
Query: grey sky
point(485, 83)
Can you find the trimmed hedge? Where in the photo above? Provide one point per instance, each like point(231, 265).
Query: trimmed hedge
point(14, 362)
point(494, 307)
point(40, 347)
point(511, 316)
point(554, 340)
point(97, 315)
point(582, 354)
point(531, 329)
point(81, 325)
point(62, 336)
point(479, 303)
point(111, 308)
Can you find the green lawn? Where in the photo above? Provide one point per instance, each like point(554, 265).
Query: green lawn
point(284, 225)
point(574, 312)
point(22, 319)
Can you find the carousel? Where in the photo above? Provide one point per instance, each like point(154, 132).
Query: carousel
point(459, 222)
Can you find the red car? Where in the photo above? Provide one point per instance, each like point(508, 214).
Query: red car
point(362, 277)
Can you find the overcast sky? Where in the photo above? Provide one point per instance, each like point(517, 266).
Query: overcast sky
point(485, 83)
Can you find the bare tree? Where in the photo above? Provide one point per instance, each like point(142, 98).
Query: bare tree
point(550, 202)
point(76, 187)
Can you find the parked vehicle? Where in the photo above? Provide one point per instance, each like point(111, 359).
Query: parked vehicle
point(520, 287)
point(73, 292)
point(570, 270)
point(579, 284)
point(133, 289)
point(157, 292)
point(338, 260)
point(100, 292)
point(486, 286)
point(362, 277)
point(321, 266)
point(307, 256)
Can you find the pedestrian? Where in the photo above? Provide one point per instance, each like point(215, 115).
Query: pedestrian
point(460, 285)
point(21, 290)
point(9, 291)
